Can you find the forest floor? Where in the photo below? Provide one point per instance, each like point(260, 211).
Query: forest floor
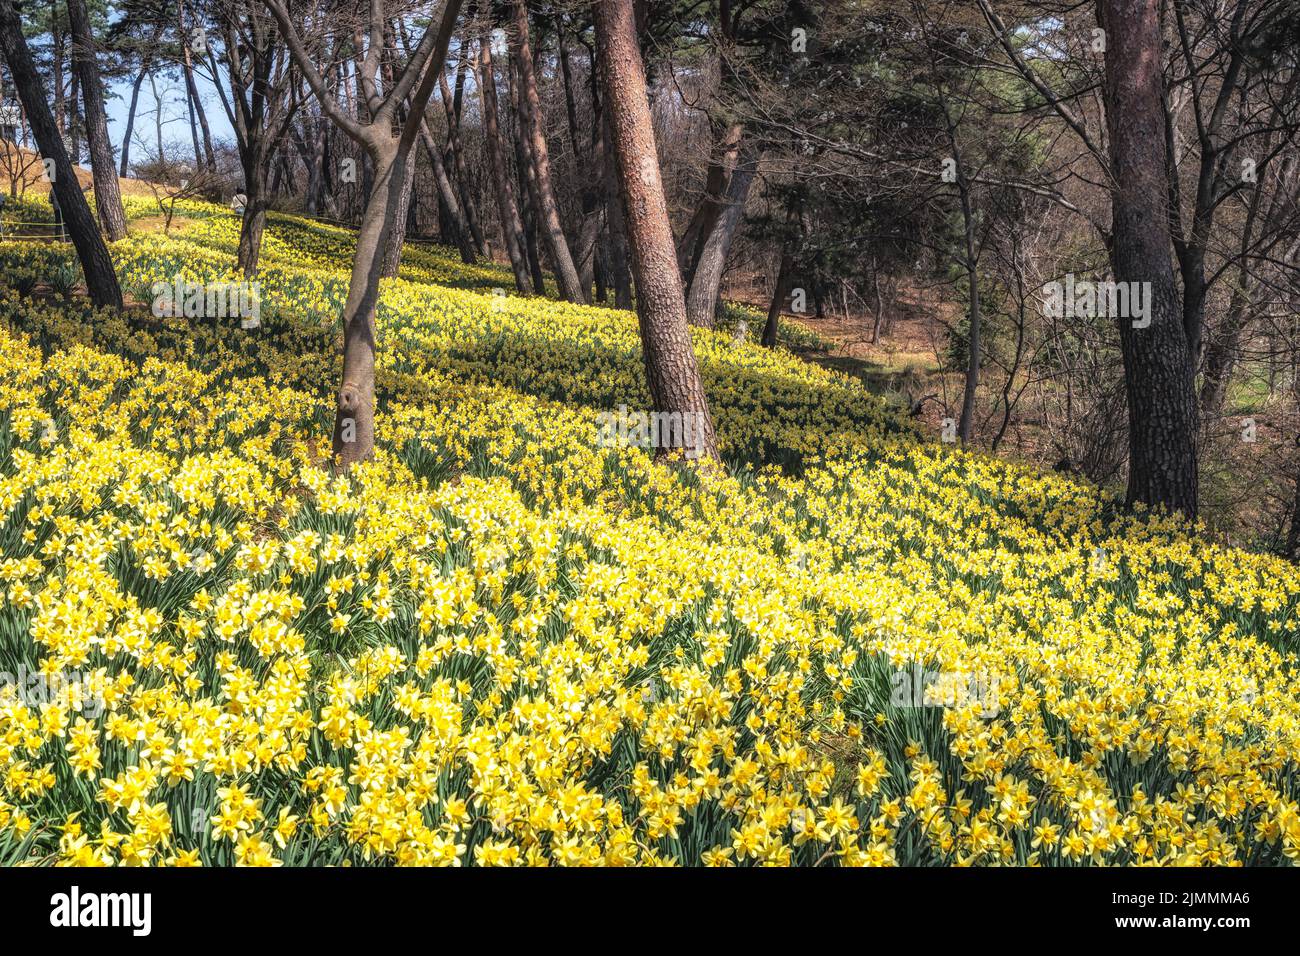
point(904, 364)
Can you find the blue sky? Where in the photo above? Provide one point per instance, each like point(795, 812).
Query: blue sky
point(176, 132)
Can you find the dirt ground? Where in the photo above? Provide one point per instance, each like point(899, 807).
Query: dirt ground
point(904, 365)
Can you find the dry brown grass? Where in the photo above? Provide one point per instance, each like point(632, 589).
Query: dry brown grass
point(24, 165)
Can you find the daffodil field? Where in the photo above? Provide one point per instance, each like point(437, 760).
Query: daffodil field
point(501, 643)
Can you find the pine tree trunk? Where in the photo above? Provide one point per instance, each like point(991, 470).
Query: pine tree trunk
point(56, 63)
point(723, 156)
point(1157, 365)
point(620, 278)
point(194, 126)
point(108, 198)
point(130, 117)
point(447, 196)
point(527, 174)
point(462, 178)
point(779, 292)
point(208, 158)
point(101, 280)
point(74, 136)
point(702, 299)
point(512, 229)
point(671, 370)
point(532, 126)
point(593, 209)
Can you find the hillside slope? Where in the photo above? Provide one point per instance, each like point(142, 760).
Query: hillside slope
point(500, 642)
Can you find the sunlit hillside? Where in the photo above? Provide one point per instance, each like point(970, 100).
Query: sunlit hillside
point(503, 642)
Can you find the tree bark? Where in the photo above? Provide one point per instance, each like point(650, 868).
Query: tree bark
point(527, 173)
point(101, 280)
point(1221, 350)
point(354, 423)
point(722, 157)
point(454, 148)
point(783, 276)
point(620, 278)
point(447, 195)
point(157, 116)
point(314, 160)
point(1157, 364)
point(56, 63)
point(208, 158)
point(108, 198)
point(702, 299)
point(194, 127)
point(74, 137)
point(397, 231)
point(672, 373)
point(1220, 356)
point(593, 209)
point(557, 245)
point(130, 115)
point(966, 422)
point(566, 75)
point(255, 206)
point(512, 228)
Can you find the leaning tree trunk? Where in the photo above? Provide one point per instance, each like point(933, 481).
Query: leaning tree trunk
point(527, 173)
point(530, 108)
point(783, 276)
point(691, 245)
point(512, 229)
point(130, 117)
point(447, 195)
point(671, 369)
point(108, 198)
point(593, 209)
point(1157, 365)
point(354, 424)
point(702, 299)
point(101, 280)
point(194, 129)
point(457, 154)
point(208, 158)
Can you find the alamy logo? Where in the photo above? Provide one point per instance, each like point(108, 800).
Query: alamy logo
point(208, 300)
point(75, 909)
point(918, 687)
point(1083, 298)
point(683, 430)
point(71, 689)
